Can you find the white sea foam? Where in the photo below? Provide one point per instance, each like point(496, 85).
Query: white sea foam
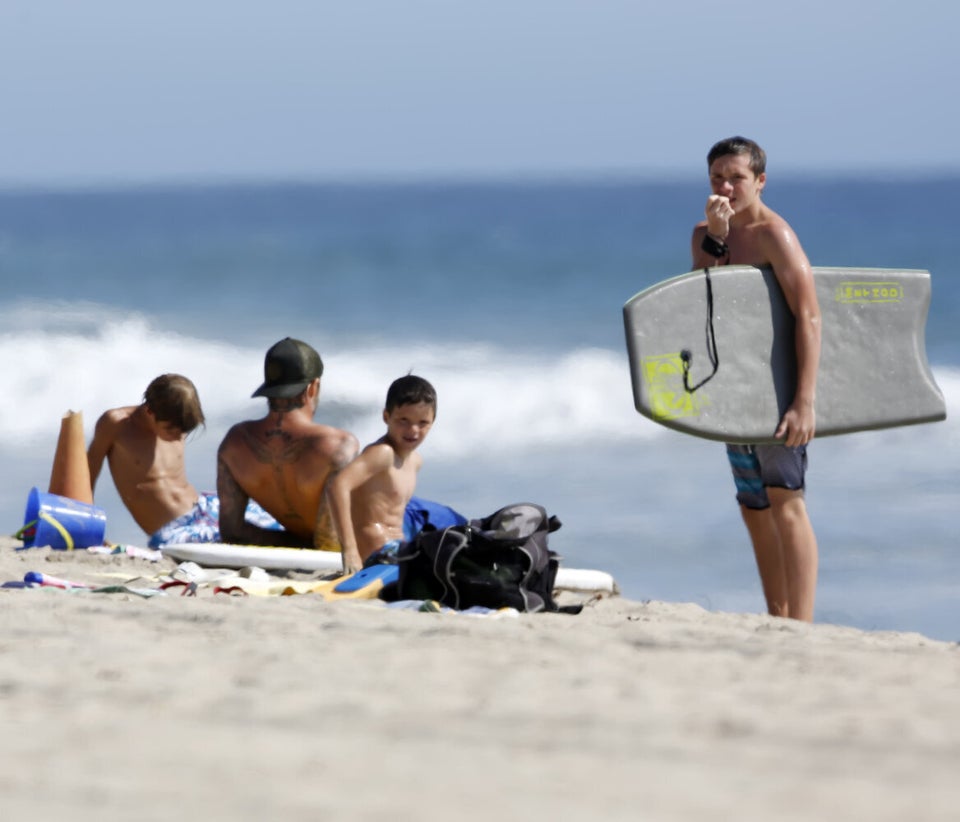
point(86, 359)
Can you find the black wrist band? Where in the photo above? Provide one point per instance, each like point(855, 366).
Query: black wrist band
point(714, 247)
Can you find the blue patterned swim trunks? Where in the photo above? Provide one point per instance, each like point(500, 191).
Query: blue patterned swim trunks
point(758, 467)
point(202, 524)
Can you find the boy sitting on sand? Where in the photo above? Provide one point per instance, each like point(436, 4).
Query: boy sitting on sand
point(369, 496)
point(144, 447)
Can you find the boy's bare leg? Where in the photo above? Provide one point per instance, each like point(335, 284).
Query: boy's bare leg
point(769, 554)
point(799, 550)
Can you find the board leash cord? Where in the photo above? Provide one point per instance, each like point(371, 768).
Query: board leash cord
point(686, 356)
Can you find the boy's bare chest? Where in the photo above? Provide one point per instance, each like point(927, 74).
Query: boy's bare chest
point(400, 480)
point(147, 457)
point(747, 247)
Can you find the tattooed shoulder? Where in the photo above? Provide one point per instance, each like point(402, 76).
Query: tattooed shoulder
point(344, 453)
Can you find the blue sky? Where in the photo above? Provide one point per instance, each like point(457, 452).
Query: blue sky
point(119, 91)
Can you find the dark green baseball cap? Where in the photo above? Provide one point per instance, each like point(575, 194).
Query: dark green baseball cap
point(289, 367)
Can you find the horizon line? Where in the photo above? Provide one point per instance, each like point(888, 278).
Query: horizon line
point(104, 184)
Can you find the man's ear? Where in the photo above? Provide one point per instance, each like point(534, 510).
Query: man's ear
point(386, 415)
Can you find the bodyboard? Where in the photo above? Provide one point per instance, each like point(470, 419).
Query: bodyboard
point(873, 365)
point(374, 575)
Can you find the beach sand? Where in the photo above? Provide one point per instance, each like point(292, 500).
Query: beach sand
point(220, 707)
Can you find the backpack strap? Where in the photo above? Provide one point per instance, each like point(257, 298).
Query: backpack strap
point(452, 541)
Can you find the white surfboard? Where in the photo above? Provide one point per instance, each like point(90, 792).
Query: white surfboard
point(733, 328)
point(222, 555)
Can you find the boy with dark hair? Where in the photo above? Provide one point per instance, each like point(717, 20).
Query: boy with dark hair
point(369, 497)
point(410, 390)
point(740, 229)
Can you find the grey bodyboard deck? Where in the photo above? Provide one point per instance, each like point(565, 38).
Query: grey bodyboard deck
point(873, 364)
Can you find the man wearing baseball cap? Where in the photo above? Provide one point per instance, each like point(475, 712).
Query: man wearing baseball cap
point(284, 460)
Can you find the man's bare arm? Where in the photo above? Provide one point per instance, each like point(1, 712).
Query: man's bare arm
point(326, 533)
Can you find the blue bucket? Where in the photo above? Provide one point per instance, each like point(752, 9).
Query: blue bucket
point(61, 522)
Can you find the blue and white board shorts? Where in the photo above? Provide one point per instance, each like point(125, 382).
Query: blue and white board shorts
point(202, 524)
point(758, 467)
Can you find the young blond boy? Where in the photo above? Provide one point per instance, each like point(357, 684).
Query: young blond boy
point(369, 496)
point(144, 447)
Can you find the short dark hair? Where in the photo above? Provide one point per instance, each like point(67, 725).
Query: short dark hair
point(173, 399)
point(410, 390)
point(740, 145)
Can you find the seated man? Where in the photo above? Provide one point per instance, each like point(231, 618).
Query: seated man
point(284, 460)
point(144, 447)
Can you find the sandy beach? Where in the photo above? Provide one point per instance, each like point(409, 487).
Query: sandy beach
point(117, 706)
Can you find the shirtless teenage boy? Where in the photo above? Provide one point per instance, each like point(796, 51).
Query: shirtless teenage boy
point(143, 445)
point(740, 228)
point(285, 460)
point(368, 497)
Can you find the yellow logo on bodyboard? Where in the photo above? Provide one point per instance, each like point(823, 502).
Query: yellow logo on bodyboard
point(663, 375)
point(867, 292)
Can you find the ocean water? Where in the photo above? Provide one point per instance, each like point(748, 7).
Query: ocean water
point(508, 297)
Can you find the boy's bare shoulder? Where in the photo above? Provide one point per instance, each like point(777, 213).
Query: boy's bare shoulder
point(115, 418)
point(379, 452)
point(779, 242)
point(772, 226)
